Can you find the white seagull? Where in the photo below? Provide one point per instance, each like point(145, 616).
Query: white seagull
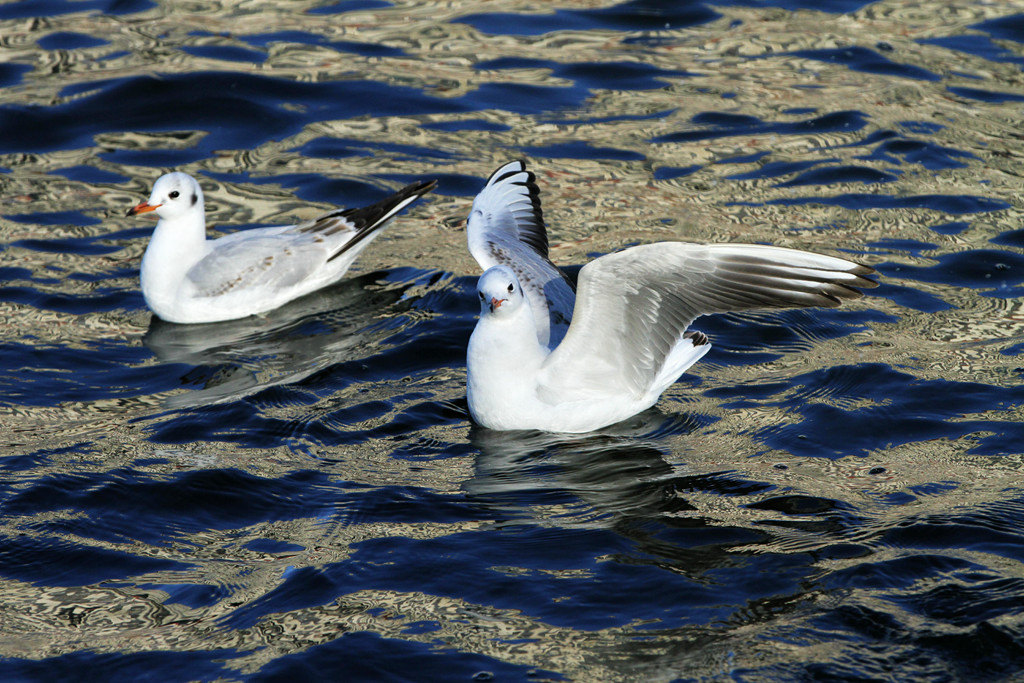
point(187, 278)
point(547, 358)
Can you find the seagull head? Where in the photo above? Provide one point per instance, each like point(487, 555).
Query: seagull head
point(174, 194)
point(499, 291)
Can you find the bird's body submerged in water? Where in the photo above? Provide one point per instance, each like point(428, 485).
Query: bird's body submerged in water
point(546, 357)
point(187, 278)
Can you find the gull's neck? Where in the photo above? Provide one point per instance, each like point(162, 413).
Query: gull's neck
point(502, 363)
point(177, 244)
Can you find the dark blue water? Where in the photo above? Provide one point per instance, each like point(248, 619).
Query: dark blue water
point(829, 495)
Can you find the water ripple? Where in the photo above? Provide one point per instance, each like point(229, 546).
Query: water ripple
point(828, 494)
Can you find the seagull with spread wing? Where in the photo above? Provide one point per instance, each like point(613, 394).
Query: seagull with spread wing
point(546, 357)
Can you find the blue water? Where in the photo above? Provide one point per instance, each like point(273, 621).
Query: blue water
point(829, 495)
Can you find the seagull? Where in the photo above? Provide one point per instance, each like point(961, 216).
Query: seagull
point(545, 356)
point(187, 278)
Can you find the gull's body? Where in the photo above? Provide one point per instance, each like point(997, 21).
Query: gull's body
point(545, 357)
point(187, 278)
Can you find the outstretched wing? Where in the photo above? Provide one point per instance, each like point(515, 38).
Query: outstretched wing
point(634, 306)
point(506, 227)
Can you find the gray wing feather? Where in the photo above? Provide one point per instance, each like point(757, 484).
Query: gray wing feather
point(634, 306)
point(259, 261)
point(506, 227)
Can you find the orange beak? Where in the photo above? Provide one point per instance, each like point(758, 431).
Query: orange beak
point(496, 303)
point(142, 207)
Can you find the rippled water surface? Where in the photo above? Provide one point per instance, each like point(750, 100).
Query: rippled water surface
point(829, 494)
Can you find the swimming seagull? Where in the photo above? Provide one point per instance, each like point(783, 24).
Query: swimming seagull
point(187, 278)
point(547, 358)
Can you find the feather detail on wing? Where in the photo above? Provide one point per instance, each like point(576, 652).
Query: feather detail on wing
point(634, 306)
point(506, 227)
point(509, 205)
point(260, 261)
point(362, 222)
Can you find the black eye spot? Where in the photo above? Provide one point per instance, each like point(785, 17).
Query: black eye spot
point(511, 288)
point(173, 194)
point(481, 296)
point(195, 198)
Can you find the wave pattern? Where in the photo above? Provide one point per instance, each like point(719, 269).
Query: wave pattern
point(829, 494)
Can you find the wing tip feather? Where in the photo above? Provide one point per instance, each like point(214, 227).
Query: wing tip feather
point(367, 220)
point(494, 179)
point(511, 183)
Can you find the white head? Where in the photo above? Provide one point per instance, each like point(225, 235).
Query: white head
point(499, 291)
point(174, 194)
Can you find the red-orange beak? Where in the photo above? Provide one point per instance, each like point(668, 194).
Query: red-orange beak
point(143, 207)
point(496, 302)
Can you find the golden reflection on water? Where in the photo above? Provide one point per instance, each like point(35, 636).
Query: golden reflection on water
point(592, 206)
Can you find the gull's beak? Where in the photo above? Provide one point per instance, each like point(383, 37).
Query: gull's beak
point(496, 302)
point(142, 207)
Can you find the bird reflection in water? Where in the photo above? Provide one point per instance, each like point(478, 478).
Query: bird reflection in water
point(237, 358)
point(600, 479)
point(623, 479)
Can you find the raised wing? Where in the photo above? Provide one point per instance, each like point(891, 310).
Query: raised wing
point(506, 227)
point(634, 306)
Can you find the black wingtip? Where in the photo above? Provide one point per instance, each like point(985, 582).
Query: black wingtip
point(536, 237)
point(832, 301)
point(864, 274)
point(696, 337)
point(368, 219)
point(419, 188)
point(493, 177)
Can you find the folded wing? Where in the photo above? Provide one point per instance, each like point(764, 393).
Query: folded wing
point(272, 262)
point(279, 258)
